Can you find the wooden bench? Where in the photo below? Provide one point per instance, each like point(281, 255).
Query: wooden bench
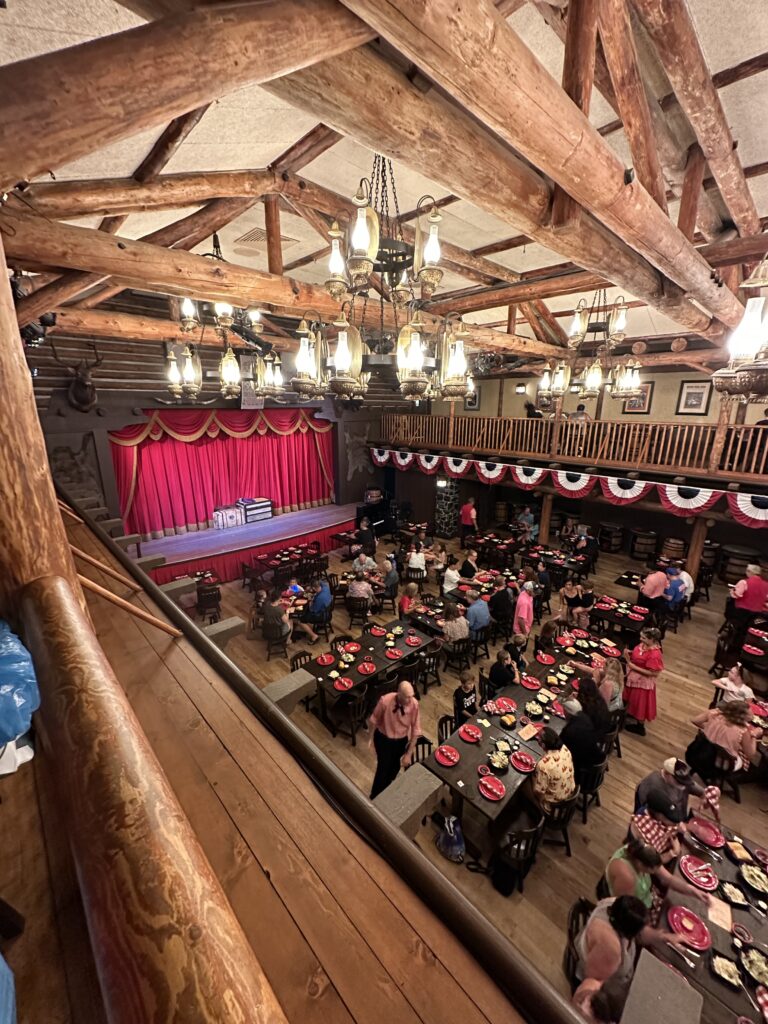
point(223, 630)
point(410, 798)
point(147, 562)
point(288, 691)
point(130, 540)
point(177, 589)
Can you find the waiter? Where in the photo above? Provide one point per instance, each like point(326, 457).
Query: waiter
point(397, 725)
point(468, 520)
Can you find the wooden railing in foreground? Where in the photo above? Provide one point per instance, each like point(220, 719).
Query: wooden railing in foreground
point(166, 943)
point(732, 451)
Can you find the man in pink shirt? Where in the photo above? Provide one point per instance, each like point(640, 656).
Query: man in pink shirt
point(652, 590)
point(523, 619)
point(396, 725)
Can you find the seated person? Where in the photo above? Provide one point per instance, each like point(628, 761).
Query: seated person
point(360, 588)
point(655, 827)
point(545, 641)
point(594, 707)
point(501, 605)
point(391, 575)
point(635, 869)
point(678, 784)
point(439, 557)
point(469, 566)
point(516, 649)
point(583, 609)
point(543, 577)
point(724, 729)
point(455, 627)
point(674, 594)
point(408, 600)
point(317, 609)
point(733, 686)
point(274, 615)
point(553, 779)
point(569, 531)
point(478, 616)
point(363, 563)
point(294, 587)
point(464, 699)
point(503, 673)
point(452, 576)
point(580, 737)
point(417, 557)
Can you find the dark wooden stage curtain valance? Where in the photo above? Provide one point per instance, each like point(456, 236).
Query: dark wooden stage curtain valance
point(173, 470)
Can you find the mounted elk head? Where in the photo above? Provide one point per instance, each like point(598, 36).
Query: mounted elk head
point(81, 393)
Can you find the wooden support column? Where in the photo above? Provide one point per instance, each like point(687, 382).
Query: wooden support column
point(272, 223)
point(34, 541)
point(546, 517)
point(451, 423)
point(500, 406)
point(623, 65)
point(578, 77)
point(696, 546)
point(511, 319)
point(721, 432)
point(692, 191)
point(556, 422)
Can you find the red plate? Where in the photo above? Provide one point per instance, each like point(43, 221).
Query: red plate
point(603, 607)
point(639, 609)
point(699, 872)
point(749, 649)
point(690, 926)
point(757, 632)
point(610, 652)
point(366, 668)
point(506, 705)
point(378, 631)
point(565, 640)
point(706, 832)
point(447, 755)
point(345, 683)
point(581, 634)
point(393, 653)
point(529, 683)
point(491, 787)
point(326, 659)
point(636, 617)
point(464, 588)
point(353, 647)
point(557, 709)
point(759, 709)
point(761, 855)
point(413, 641)
point(545, 659)
point(522, 761)
point(484, 577)
point(471, 733)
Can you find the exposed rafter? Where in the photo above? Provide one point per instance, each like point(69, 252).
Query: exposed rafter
point(317, 141)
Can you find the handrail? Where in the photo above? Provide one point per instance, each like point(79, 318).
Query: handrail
point(166, 942)
point(735, 452)
point(529, 992)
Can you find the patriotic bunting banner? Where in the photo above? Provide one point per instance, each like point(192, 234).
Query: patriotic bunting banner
point(572, 485)
point(491, 472)
point(686, 501)
point(749, 509)
point(527, 477)
point(457, 467)
point(380, 456)
point(403, 460)
point(429, 464)
point(620, 491)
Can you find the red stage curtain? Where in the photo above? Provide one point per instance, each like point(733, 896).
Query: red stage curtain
point(174, 470)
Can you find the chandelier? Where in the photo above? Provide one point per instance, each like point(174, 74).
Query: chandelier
point(311, 378)
point(185, 380)
point(746, 375)
point(455, 380)
point(347, 379)
point(414, 381)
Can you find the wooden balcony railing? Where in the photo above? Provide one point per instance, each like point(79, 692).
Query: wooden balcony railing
point(735, 452)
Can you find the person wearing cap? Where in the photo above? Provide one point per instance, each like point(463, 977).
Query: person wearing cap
point(524, 610)
point(655, 825)
point(580, 736)
point(678, 783)
point(674, 594)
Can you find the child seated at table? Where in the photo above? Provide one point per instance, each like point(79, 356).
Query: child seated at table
point(464, 699)
point(294, 587)
point(545, 641)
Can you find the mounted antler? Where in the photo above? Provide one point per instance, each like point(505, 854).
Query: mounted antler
point(99, 358)
point(81, 393)
point(70, 369)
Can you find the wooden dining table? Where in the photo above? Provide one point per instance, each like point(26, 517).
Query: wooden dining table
point(619, 614)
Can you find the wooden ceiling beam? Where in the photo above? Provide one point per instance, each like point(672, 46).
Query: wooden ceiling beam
point(76, 100)
point(672, 31)
point(547, 317)
point(272, 224)
point(523, 291)
point(168, 143)
point(555, 136)
point(629, 89)
point(97, 323)
point(692, 191)
point(309, 147)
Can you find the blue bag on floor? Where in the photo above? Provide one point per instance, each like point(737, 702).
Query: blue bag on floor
point(450, 841)
point(19, 695)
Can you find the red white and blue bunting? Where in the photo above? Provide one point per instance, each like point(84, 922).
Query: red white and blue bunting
point(457, 467)
point(572, 485)
point(491, 472)
point(686, 501)
point(527, 477)
point(429, 464)
point(403, 460)
point(380, 456)
point(749, 509)
point(620, 491)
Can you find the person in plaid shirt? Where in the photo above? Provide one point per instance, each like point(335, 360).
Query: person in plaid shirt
point(656, 828)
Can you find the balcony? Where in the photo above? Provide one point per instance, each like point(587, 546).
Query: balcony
point(726, 452)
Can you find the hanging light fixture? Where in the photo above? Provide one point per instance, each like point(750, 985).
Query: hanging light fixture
point(617, 321)
point(229, 374)
point(336, 284)
point(224, 315)
point(254, 319)
point(593, 380)
point(759, 276)
point(625, 381)
point(545, 384)
point(747, 372)
point(185, 374)
point(364, 238)
point(414, 382)
point(579, 325)
point(347, 379)
point(310, 381)
point(189, 317)
point(560, 379)
point(426, 259)
point(174, 376)
point(455, 380)
point(520, 389)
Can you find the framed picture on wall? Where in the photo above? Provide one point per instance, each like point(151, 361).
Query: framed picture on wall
point(641, 405)
point(694, 398)
point(472, 402)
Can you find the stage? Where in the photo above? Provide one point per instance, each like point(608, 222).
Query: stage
point(224, 551)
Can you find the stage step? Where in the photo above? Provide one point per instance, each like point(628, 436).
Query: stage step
point(288, 691)
point(178, 588)
point(221, 632)
point(148, 562)
point(411, 797)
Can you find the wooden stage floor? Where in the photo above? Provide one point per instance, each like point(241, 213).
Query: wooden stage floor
point(340, 936)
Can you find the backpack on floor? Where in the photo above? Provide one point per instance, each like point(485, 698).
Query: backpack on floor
point(450, 841)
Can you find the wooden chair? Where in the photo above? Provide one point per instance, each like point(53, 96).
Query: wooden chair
point(323, 625)
point(338, 642)
point(250, 575)
point(704, 581)
point(333, 582)
point(417, 576)
point(519, 851)
point(457, 654)
point(299, 660)
point(578, 916)
point(209, 603)
point(358, 610)
point(482, 687)
point(347, 715)
point(429, 670)
point(606, 744)
point(409, 670)
point(479, 641)
point(589, 786)
point(559, 819)
point(618, 718)
point(501, 629)
point(430, 600)
point(422, 750)
point(445, 726)
point(672, 618)
point(277, 640)
point(602, 891)
point(726, 774)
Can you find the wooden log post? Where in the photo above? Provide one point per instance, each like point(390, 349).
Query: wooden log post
point(546, 518)
point(696, 546)
point(721, 432)
point(274, 245)
point(557, 421)
point(692, 191)
point(34, 540)
point(166, 942)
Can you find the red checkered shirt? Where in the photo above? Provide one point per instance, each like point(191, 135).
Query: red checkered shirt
point(653, 832)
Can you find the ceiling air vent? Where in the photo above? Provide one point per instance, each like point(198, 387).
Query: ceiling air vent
point(255, 241)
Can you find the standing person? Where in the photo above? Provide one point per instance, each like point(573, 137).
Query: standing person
point(674, 595)
point(523, 619)
point(652, 591)
point(468, 518)
point(365, 536)
point(501, 605)
point(645, 662)
point(464, 699)
point(395, 725)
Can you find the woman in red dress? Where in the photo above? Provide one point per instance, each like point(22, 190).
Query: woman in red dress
point(644, 664)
